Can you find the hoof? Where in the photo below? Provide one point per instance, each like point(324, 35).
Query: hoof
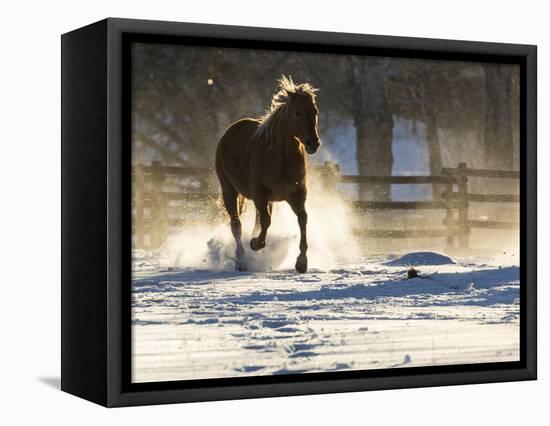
point(301, 265)
point(256, 245)
point(240, 265)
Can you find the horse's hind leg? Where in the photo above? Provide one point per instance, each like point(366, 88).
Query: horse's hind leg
point(230, 197)
point(257, 226)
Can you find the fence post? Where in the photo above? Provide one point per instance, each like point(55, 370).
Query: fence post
point(138, 205)
point(206, 185)
point(330, 175)
point(158, 207)
point(463, 228)
point(449, 212)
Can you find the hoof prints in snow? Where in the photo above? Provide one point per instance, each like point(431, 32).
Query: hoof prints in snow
point(249, 368)
point(190, 324)
point(304, 354)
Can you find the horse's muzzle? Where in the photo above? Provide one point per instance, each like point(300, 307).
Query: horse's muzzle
point(312, 145)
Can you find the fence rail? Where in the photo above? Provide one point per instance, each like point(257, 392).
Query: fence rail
point(395, 180)
point(465, 171)
point(403, 233)
point(493, 198)
point(400, 205)
point(152, 193)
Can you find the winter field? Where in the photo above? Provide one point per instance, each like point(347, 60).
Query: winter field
point(357, 312)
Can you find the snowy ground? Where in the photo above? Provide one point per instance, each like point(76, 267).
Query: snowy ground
point(190, 323)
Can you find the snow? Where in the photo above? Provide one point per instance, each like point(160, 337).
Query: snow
point(360, 313)
point(421, 258)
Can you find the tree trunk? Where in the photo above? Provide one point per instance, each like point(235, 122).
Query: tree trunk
point(434, 152)
point(498, 143)
point(374, 126)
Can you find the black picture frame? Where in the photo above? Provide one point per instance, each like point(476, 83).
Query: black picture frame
point(96, 225)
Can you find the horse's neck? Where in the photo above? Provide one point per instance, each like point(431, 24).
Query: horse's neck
point(288, 149)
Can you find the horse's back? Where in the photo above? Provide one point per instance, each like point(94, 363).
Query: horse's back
point(233, 155)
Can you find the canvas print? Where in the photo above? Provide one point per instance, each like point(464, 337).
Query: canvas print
point(297, 213)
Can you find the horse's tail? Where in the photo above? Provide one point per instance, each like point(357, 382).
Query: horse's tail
point(240, 204)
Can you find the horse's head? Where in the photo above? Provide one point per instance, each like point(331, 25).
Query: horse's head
point(296, 102)
point(302, 117)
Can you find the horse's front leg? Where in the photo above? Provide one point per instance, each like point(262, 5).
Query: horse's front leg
point(263, 210)
point(297, 203)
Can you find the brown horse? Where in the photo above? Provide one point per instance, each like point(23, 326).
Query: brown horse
point(265, 160)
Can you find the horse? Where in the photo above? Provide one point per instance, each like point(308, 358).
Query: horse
point(264, 160)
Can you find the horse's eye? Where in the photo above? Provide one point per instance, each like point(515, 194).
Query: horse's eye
point(298, 114)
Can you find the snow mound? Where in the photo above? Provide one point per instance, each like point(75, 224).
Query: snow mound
point(420, 258)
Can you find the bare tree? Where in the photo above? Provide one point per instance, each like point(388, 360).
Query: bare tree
point(499, 143)
point(373, 122)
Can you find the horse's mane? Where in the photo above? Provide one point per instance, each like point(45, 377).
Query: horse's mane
point(279, 103)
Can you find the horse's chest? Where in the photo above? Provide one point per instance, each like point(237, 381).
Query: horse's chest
point(283, 182)
point(278, 175)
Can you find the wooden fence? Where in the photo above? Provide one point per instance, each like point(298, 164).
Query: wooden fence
point(155, 189)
